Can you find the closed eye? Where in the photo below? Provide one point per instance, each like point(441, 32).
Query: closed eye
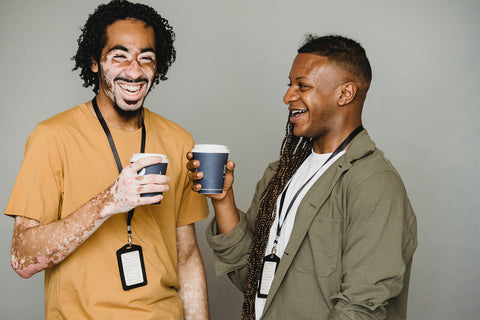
point(146, 59)
point(303, 87)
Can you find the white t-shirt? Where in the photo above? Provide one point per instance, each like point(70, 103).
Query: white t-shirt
point(309, 167)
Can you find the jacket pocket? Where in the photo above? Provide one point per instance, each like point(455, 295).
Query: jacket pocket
point(319, 252)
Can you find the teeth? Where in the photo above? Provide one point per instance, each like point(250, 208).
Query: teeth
point(295, 112)
point(132, 89)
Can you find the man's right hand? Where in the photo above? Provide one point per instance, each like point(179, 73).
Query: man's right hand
point(226, 212)
point(195, 175)
point(125, 193)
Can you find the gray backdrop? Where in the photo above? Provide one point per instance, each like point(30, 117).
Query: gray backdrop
point(227, 87)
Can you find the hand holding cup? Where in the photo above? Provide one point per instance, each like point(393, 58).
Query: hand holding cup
point(126, 192)
point(157, 169)
point(210, 172)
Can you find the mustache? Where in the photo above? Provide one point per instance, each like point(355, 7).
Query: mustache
point(130, 80)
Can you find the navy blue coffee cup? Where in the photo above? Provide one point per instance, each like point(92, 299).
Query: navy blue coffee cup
point(157, 168)
point(213, 160)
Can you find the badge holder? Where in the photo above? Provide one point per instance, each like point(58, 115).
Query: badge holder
point(269, 266)
point(131, 265)
point(130, 262)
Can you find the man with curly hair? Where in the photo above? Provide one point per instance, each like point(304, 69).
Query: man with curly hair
point(108, 251)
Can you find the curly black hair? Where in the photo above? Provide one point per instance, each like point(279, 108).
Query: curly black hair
point(93, 38)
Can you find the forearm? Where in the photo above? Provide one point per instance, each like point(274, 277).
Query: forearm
point(226, 213)
point(231, 250)
point(191, 275)
point(349, 311)
point(36, 247)
point(193, 288)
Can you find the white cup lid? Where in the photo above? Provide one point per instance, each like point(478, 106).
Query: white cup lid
point(137, 156)
point(210, 148)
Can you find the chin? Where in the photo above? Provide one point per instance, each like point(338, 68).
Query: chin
point(129, 111)
point(299, 133)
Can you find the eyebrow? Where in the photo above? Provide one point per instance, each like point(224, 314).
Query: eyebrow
point(122, 48)
point(297, 78)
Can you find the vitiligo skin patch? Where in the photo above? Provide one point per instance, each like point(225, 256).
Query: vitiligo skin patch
point(37, 246)
point(191, 275)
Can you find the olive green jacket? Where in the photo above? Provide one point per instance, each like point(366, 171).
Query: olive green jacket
point(351, 247)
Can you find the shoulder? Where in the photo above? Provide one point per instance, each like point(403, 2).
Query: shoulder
point(166, 127)
point(364, 158)
point(58, 125)
point(68, 119)
point(374, 173)
point(270, 170)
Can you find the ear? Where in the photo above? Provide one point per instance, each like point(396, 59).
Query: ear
point(94, 66)
point(347, 92)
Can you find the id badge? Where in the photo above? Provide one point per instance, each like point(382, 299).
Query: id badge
point(269, 266)
point(131, 267)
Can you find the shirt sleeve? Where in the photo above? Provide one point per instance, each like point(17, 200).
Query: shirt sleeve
point(378, 247)
point(232, 249)
point(37, 191)
point(193, 206)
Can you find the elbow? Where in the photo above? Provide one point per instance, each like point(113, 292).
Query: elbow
point(19, 267)
point(23, 273)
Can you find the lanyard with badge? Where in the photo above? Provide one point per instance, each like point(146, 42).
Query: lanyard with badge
point(271, 261)
point(130, 256)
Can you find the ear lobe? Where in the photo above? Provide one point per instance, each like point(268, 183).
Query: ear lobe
point(94, 66)
point(347, 93)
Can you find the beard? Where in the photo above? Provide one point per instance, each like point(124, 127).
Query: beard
point(127, 114)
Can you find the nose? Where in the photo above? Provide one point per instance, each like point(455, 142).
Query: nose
point(134, 70)
point(290, 96)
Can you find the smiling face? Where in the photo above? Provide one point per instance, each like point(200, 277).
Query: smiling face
point(127, 65)
point(312, 97)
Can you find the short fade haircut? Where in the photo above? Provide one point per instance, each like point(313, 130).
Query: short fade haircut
point(346, 53)
point(94, 37)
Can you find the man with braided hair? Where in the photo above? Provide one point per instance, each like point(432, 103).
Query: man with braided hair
point(330, 233)
point(109, 252)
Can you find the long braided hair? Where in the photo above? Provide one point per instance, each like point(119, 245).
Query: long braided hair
point(293, 152)
point(350, 56)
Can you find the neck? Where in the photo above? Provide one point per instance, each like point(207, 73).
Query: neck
point(329, 142)
point(128, 121)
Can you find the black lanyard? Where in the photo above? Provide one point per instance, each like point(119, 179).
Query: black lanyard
point(282, 199)
point(117, 158)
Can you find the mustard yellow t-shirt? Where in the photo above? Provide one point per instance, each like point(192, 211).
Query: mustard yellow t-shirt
point(67, 162)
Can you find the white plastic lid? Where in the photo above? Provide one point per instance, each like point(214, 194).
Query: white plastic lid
point(210, 148)
point(137, 156)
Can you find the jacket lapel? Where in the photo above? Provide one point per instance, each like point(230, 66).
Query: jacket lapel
point(307, 210)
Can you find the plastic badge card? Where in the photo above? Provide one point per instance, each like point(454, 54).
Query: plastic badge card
point(269, 267)
point(131, 267)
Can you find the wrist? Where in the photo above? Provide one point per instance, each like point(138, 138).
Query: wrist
point(102, 204)
point(224, 201)
point(226, 213)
